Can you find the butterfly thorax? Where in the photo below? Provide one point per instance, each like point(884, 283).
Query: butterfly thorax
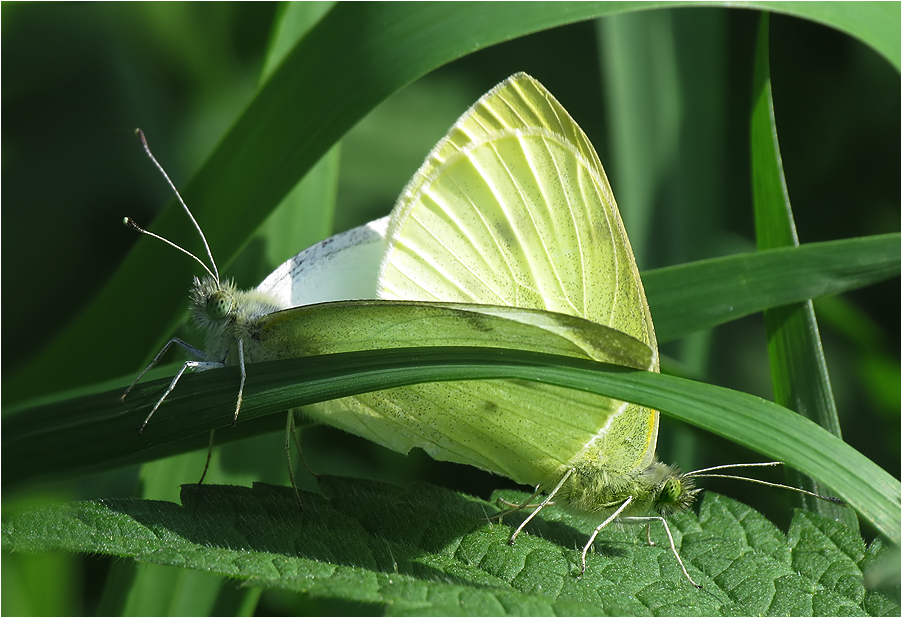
point(592, 489)
point(226, 314)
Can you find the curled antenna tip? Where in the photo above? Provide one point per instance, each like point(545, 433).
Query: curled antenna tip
point(130, 224)
point(146, 147)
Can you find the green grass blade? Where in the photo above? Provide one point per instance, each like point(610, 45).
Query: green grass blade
point(875, 23)
point(643, 115)
point(798, 366)
point(704, 294)
point(98, 430)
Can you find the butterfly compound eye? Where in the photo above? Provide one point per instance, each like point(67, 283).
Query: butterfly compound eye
point(670, 492)
point(218, 305)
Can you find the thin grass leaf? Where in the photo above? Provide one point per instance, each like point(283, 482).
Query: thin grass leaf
point(875, 23)
point(700, 295)
point(798, 367)
point(206, 401)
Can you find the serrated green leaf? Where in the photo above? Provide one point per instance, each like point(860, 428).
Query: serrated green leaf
point(427, 549)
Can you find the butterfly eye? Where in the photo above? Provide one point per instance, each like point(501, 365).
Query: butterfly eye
point(219, 305)
point(670, 492)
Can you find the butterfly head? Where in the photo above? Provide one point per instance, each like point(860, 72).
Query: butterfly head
point(676, 492)
point(212, 302)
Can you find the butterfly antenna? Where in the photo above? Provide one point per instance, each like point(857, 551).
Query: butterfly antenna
point(130, 223)
point(705, 473)
point(134, 226)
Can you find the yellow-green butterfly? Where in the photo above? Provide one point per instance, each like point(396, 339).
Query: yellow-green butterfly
point(508, 235)
point(513, 208)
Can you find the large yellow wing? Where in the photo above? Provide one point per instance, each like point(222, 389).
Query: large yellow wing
point(511, 208)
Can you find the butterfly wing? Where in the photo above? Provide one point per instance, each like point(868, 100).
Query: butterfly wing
point(512, 208)
point(462, 421)
point(340, 267)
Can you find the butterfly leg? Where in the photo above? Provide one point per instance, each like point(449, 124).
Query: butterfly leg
point(156, 359)
point(544, 503)
point(197, 365)
point(289, 436)
point(243, 380)
point(598, 529)
point(203, 474)
point(669, 537)
point(297, 445)
point(513, 507)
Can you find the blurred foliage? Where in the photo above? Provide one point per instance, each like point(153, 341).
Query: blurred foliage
point(79, 78)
